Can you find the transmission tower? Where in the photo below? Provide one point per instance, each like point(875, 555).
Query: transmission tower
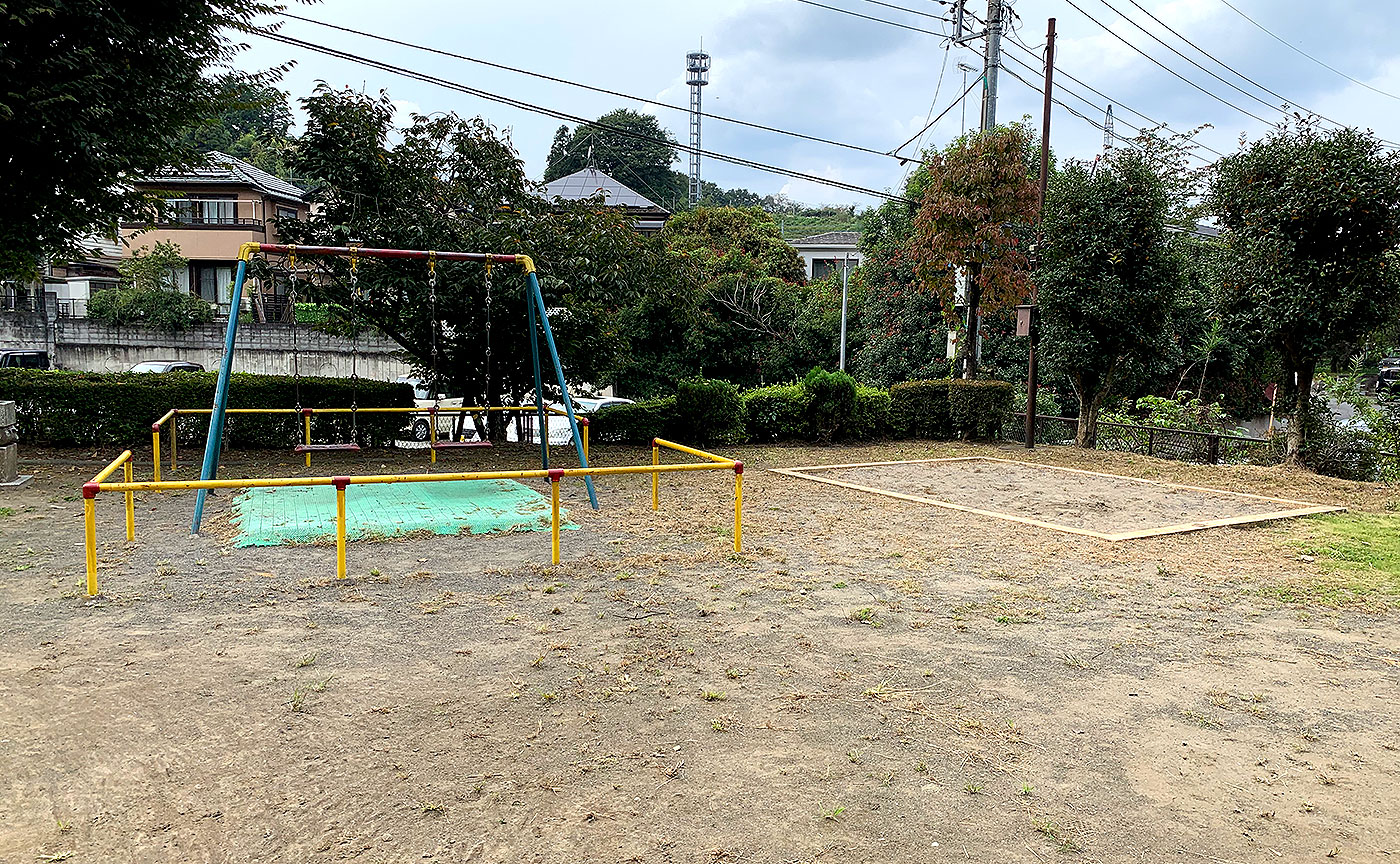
point(1108, 130)
point(697, 75)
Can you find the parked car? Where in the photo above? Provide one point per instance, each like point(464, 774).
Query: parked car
point(167, 366)
point(1388, 382)
point(418, 428)
point(559, 431)
point(24, 359)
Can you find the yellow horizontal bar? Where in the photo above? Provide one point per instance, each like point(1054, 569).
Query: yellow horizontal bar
point(370, 479)
point(681, 448)
point(114, 465)
point(166, 416)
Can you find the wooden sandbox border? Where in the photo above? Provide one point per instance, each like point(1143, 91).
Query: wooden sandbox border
point(1300, 508)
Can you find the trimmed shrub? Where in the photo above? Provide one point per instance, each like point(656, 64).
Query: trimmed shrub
point(634, 424)
point(87, 409)
point(871, 418)
point(710, 411)
point(919, 409)
point(978, 409)
point(831, 403)
point(152, 307)
point(776, 412)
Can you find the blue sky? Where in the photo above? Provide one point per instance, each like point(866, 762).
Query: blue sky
point(794, 66)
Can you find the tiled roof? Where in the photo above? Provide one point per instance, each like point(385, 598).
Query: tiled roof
point(223, 168)
point(590, 182)
point(829, 238)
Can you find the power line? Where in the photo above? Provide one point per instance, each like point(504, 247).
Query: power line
point(940, 116)
point(1217, 77)
point(570, 118)
point(872, 17)
point(1167, 68)
point(907, 9)
point(1107, 99)
point(1295, 48)
point(606, 92)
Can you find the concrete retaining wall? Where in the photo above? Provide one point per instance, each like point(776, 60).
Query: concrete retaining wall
point(266, 349)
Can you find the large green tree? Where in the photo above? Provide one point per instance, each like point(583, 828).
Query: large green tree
point(456, 183)
point(1311, 220)
point(1109, 276)
point(253, 124)
point(976, 210)
point(96, 93)
point(628, 146)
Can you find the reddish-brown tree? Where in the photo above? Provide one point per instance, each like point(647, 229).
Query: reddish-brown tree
point(977, 212)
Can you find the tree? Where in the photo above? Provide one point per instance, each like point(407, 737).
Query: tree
point(149, 294)
point(975, 213)
point(94, 93)
point(253, 124)
point(1108, 275)
point(1310, 223)
point(456, 183)
point(636, 152)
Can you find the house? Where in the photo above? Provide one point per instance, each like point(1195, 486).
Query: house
point(647, 216)
point(826, 253)
point(209, 213)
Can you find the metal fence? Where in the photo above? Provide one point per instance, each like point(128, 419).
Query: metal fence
point(1182, 444)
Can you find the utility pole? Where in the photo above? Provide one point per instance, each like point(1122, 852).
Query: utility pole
point(845, 282)
point(1032, 370)
point(992, 65)
point(962, 104)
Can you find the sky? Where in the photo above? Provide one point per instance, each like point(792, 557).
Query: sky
point(792, 65)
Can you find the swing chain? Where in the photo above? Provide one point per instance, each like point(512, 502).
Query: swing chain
point(488, 333)
point(433, 314)
point(354, 342)
point(292, 301)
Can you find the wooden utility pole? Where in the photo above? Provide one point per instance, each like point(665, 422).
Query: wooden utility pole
point(1032, 383)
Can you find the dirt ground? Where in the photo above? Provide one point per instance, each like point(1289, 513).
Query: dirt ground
point(1069, 498)
point(871, 680)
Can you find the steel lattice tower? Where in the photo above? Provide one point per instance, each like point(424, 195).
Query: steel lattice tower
point(697, 75)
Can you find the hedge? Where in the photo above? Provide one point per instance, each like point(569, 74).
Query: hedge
point(634, 424)
point(776, 412)
point(872, 415)
point(97, 409)
point(919, 409)
point(710, 412)
point(978, 409)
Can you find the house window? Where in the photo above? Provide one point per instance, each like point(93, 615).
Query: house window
point(824, 267)
point(203, 211)
point(210, 280)
point(287, 213)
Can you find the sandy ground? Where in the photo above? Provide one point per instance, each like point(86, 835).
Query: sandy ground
point(1107, 505)
point(871, 680)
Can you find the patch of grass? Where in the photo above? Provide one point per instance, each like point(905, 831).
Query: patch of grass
point(6, 511)
point(298, 701)
point(833, 814)
point(838, 585)
point(973, 788)
point(308, 660)
point(1357, 558)
point(715, 696)
point(866, 616)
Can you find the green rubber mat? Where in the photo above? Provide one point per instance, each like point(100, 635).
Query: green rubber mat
point(306, 514)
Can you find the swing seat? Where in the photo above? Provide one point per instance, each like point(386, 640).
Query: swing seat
point(326, 448)
point(458, 445)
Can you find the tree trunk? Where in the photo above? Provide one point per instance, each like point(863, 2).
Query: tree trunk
point(1301, 399)
point(1087, 435)
point(974, 324)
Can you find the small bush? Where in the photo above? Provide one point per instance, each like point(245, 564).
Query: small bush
point(871, 418)
point(634, 424)
point(831, 403)
point(978, 409)
point(776, 412)
point(152, 307)
point(710, 411)
point(919, 409)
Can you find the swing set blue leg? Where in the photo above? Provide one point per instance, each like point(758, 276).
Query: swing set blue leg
point(539, 391)
point(214, 442)
point(538, 298)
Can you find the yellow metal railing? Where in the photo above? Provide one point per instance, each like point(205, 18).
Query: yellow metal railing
point(129, 487)
point(172, 417)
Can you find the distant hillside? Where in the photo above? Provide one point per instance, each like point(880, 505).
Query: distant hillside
point(805, 226)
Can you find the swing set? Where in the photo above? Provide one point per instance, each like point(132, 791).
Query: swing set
point(537, 321)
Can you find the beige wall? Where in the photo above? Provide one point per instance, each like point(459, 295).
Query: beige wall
point(215, 243)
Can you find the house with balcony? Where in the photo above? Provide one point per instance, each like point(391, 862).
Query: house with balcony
point(209, 213)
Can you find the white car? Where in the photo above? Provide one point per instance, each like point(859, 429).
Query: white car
point(559, 431)
point(418, 429)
